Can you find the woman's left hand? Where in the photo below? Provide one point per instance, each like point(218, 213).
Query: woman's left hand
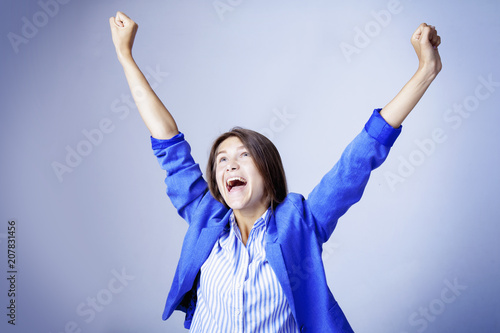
point(425, 41)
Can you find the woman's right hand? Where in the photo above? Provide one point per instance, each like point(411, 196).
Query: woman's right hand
point(123, 31)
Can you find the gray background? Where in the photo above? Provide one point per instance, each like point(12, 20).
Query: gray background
point(429, 216)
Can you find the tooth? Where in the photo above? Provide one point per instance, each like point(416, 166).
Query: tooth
point(229, 180)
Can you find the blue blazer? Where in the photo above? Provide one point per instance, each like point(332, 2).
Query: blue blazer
point(296, 230)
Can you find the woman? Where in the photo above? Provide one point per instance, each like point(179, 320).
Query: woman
point(251, 258)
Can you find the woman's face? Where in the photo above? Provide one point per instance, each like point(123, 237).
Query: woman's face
point(238, 179)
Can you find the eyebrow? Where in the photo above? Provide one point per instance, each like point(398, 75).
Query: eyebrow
point(224, 152)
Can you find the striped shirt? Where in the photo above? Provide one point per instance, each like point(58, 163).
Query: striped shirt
point(238, 290)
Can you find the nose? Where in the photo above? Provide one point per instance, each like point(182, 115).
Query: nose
point(232, 166)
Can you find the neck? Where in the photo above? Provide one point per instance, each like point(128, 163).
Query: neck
point(246, 219)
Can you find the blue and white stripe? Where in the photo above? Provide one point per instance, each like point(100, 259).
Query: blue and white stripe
point(238, 291)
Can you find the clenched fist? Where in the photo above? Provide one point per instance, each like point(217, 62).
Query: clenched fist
point(123, 31)
point(425, 41)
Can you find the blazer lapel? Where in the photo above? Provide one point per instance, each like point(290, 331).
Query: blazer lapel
point(275, 257)
point(205, 243)
point(192, 262)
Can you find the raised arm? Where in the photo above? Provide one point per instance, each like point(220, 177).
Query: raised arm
point(157, 118)
point(425, 41)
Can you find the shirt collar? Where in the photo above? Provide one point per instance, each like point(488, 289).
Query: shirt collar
point(234, 230)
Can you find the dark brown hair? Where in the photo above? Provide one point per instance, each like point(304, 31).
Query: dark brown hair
point(266, 157)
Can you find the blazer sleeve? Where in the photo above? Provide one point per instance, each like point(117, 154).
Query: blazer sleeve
point(186, 187)
point(344, 184)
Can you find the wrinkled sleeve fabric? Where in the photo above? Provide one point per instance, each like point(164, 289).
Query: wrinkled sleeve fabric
point(186, 186)
point(344, 184)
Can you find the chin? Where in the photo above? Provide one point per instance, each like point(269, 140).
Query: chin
point(235, 205)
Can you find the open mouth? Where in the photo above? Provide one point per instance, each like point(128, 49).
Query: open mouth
point(235, 182)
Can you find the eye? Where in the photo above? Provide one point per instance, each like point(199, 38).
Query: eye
point(245, 154)
point(222, 159)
